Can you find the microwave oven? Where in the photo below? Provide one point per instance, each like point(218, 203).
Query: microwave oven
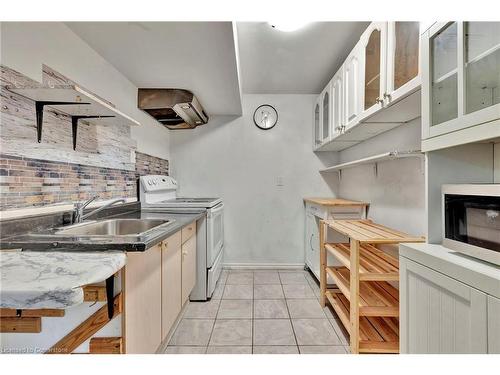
point(471, 220)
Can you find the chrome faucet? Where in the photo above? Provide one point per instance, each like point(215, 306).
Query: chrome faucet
point(78, 208)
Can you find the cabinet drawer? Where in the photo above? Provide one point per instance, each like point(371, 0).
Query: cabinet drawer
point(188, 231)
point(171, 243)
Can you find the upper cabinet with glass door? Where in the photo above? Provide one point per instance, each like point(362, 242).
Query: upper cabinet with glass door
point(373, 73)
point(326, 118)
point(460, 83)
point(403, 57)
point(317, 123)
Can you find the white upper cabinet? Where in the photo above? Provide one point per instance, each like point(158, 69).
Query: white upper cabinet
point(373, 68)
point(378, 82)
point(317, 123)
point(352, 87)
point(460, 83)
point(403, 58)
point(326, 120)
point(337, 90)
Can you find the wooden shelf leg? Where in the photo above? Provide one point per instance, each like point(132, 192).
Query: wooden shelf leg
point(354, 300)
point(322, 261)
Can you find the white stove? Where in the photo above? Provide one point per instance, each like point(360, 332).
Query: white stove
point(159, 193)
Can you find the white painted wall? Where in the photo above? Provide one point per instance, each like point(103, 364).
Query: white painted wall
point(233, 159)
point(26, 46)
point(397, 193)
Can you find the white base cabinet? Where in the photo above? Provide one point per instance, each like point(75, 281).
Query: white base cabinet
point(315, 213)
point(440, 314)
point(442, 306)
point(493, 324)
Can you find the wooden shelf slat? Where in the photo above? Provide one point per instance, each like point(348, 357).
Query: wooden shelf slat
point(376, 298)
point(366, 231)
point(377, 335)
point(106, 345)
point(374, 264)
point(32, 312)
point(21, 325)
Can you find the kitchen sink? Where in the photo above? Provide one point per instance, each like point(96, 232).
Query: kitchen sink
point(113, 227)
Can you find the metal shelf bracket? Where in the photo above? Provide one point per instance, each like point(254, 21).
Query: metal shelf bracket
point(74, 125)
point(39, 105)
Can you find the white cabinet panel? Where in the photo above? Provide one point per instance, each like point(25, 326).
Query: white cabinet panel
point(326, 118)
point(317, 123)
point(493, 325)
point(312, 243)
point(440, 314)
point(352, 87)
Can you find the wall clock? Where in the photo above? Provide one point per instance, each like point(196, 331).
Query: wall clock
point(265, 117)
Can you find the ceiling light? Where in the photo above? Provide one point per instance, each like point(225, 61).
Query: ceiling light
point(288, 26)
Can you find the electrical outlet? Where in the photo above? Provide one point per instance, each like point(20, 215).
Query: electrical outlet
point(279, 181)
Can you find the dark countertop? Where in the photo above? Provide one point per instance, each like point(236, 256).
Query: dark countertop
point(42, 240)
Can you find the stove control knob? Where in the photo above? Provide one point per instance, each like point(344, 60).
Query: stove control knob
point(150, 182)
point(155, 182)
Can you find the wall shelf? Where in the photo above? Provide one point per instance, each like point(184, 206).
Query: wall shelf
point(73, 101)
point(391, 155)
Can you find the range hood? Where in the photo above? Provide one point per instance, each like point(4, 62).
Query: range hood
point(173, 108)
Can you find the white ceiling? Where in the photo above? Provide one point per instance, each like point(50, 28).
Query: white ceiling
point(299, 62)
point(198, 56)
point(201, 56)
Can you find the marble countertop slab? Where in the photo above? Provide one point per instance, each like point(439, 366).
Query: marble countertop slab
point(36, 280)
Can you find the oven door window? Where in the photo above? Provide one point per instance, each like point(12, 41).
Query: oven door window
point(473, 220)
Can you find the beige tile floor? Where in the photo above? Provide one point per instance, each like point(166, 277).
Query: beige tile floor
point(260, 312)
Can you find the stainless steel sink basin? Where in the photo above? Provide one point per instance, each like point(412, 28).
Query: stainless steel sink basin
point(113, 227)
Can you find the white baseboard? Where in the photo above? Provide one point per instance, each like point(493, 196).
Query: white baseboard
point(263, 266)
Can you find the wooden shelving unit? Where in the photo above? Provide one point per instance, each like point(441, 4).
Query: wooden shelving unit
point(376, 334)
point(365, 301)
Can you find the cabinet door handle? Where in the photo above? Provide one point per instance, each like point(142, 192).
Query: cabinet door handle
point(379, 100)
point(387, 96)
point(310, 242)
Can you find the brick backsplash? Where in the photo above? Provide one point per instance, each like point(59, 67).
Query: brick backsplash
point(36, 174)
point(147, 164)
point(26, 182)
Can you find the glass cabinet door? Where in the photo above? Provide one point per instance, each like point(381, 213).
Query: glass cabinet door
point(372, 69)
point(481, 65)
point(406, 51)
point(317, 139)
point(444, 74)
point(326, 116)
